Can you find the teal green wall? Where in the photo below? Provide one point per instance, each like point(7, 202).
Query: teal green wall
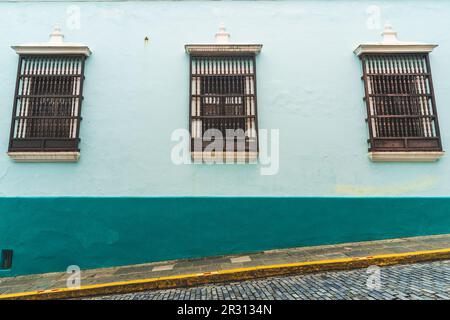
point(49, 234)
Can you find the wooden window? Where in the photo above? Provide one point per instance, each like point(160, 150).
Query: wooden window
point(47, 103)
point(223, 102)
point(401, 108)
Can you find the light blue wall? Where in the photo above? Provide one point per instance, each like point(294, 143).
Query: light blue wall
point(308, 84)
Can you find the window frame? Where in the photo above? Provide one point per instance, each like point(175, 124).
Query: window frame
point(248, 140)
point(60, 144)
point(375, 142)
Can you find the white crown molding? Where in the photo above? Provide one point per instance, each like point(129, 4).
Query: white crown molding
point(59, 156)
point(393, 48)
point(55, 45)
point(390, 44)
point(46, 49)
point(223, 45)
point(223, 48)
point(405, 156)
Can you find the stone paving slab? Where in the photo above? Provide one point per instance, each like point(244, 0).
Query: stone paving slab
point(51, 281)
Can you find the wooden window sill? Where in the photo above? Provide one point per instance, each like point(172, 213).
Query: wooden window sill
point(59, 156)
point(405, 156)
point(225, 157)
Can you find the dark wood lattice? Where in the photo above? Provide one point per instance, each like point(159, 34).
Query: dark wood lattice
point(47, 103)
point(400, 102)
point(223, 101)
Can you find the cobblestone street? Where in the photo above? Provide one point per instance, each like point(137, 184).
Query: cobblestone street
point(417, 281)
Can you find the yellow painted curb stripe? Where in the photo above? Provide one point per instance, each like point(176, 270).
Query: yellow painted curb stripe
point(228, 271)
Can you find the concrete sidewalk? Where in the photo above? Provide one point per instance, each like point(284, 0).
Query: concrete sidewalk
point(190, 272)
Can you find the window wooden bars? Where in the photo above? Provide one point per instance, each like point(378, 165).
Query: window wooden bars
point(400, 102)
point(223, 100)
point(47, 103)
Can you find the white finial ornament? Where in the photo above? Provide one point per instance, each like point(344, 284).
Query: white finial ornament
point(222, 36)
point(56, 36)
point(390, 44)
point(55, 45)
point(389, 34)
